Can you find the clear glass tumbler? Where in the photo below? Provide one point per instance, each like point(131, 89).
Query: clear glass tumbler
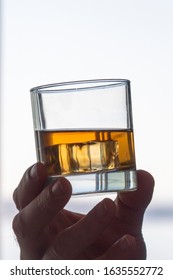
point(84, 131)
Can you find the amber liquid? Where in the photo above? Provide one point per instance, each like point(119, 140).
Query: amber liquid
point(91, 151)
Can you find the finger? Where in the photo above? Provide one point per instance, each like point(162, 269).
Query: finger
point(74, 240)
point(123, 249)
point(141, 198)
point(30, 221)
point(30, 185)
point(131, 206)
point(73, 216)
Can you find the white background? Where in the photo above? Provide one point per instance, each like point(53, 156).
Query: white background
point(46, 41)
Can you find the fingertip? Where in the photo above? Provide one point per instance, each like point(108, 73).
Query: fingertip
point(145, 178)
point(30, 185)
point(146, 184)
point(140, 198)
point(62, 186)
point(37, 171)
point(105, 208)
point(109, 205)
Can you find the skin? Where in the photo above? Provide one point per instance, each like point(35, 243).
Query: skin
point(111, 230)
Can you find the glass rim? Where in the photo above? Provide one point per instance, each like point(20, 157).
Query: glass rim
point(79, 85)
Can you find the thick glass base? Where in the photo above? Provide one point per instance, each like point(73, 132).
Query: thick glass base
point(115, 181)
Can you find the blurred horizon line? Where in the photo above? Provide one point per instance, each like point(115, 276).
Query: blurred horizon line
point(8, 208)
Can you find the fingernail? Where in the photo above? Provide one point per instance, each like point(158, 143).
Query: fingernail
point(58, 187)
point(127, 241)
point(34, 172)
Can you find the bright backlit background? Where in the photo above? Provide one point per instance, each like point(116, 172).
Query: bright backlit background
point(46, 41)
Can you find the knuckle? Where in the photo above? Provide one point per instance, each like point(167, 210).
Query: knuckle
point(44, 203)
point(18, 226)
point(15, 199)
point(17, 194)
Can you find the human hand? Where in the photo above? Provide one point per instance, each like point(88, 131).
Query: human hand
point(45, 230)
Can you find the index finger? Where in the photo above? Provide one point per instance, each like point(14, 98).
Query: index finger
point(39, 213)
point(30, 185)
